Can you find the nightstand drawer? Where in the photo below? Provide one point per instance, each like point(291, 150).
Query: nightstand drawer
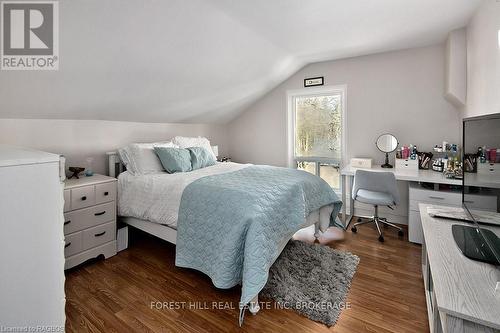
point(99, 235)
point(105, 192)
point(82, 197)
point(88, 217)
point(73, 244)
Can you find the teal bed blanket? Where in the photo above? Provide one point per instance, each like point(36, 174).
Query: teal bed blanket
point(231, 225)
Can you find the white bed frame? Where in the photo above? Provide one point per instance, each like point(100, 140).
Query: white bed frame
point(159, 230)
point(115, 167)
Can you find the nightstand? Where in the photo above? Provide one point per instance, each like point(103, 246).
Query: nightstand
point(89, 219)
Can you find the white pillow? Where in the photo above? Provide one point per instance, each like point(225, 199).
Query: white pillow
point(187, 142)
point(141, 159)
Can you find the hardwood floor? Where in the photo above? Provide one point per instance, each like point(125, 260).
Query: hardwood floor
point(115, 295)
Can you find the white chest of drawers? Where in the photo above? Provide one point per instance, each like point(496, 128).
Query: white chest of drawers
point(406, 165)
point(89, 219)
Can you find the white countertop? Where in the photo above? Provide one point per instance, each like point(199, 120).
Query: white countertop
point(12, 155)
point(84, 181)
point(463, 287)
point(428, 176)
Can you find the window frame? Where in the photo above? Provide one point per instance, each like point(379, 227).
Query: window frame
point(309, 92)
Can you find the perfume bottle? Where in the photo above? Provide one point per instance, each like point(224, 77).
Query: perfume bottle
point(88, 170)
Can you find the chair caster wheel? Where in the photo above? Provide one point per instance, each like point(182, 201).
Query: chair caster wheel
point(381, 239)
point(401, 233)
point(359, 219)
point(354, 229)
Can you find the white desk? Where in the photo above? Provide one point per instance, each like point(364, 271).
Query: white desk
point(427, 176)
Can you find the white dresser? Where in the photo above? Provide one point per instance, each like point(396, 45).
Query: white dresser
point(89, 218)
point(31, 240)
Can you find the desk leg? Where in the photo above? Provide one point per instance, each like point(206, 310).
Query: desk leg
point(351, 201)
point(344, 199)
point(346, 218)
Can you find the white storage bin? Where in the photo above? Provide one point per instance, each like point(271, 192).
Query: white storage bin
point(406, 165)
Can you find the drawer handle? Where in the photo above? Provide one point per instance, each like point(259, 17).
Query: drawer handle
point(65, 246)
point(100, 234)
point(492, 169)
point(468, 201)
point(106, 193)
point(84, 198)
point(67, 222)
point(101, 213)
point(437, 198)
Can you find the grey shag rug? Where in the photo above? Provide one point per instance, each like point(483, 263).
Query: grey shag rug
point(312, 279)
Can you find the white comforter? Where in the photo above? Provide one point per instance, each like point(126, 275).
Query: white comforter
point(157, 197)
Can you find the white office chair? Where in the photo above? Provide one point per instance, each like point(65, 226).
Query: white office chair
point(377, 189)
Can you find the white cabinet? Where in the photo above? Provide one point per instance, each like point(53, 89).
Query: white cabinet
point(415, 233)
point(31, 240)
point(418, 194)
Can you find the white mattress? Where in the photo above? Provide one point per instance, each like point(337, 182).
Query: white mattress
point(157, 197)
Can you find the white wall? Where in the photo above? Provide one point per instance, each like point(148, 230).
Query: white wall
point(79, 139)
point(456, 67)
point(399, 92)
point(483, 61)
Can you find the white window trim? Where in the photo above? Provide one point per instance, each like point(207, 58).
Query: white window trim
point(290, 117)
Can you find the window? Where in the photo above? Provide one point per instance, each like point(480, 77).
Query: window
point(316, 131)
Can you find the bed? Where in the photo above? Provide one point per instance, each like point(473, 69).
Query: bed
point(175, 208)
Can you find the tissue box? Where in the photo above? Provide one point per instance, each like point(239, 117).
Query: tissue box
point(361, 162)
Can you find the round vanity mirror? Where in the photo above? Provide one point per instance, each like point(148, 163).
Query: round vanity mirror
point(387, 143)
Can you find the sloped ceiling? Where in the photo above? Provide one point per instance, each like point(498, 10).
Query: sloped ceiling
point(207, 60)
